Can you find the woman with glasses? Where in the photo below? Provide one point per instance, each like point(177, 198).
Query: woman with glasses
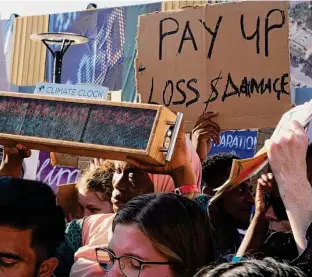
point(184, 170)
point(158, 235)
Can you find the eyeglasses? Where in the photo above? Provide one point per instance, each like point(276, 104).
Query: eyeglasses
point(129, 266)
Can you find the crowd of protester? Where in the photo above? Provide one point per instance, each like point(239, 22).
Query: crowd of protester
point(142, 220)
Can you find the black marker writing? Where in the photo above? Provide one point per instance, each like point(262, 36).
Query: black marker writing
point(188, 30)
point(283, 83)
point(171, 89)
point(184, 88)
point(255, 34)
point(163, 34)
point(182, 92)
point(214, 92)
point(212, 33)
point(269, 28)
point(150, 101)
point(250, 86)
point(196, 92)
point(141, 68)
point(260, 86)
point(233, 86)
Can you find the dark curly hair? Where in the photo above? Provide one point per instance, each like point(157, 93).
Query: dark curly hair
point(26, 204)
point(251, 268)
point(215, 169)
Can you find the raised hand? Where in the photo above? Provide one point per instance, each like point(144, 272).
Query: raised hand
point(13, 159)
point(179, 168)
point(205, 132)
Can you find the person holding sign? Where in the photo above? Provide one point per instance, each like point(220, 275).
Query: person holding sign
point(127, 180)
point(180, 169)
point(291, 168)
point(183, 175)
point(128, 183)
point(287, 157)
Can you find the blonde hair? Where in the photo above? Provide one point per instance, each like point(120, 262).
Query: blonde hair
point(99, 179)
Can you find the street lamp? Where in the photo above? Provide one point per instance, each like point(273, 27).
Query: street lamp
point(64, 40)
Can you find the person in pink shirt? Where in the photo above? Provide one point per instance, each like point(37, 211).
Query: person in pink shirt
point(183, 172)
point(99, 187)
point(135, 229)
point(205, 132)
point(158, 235)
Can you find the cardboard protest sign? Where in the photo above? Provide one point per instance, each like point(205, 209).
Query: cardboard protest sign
point(231, 58)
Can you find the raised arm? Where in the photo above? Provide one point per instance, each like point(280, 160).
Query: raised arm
point(13, 160)
point(179, 168)
point(205, 132)
point(259, 226)
point(287, 157)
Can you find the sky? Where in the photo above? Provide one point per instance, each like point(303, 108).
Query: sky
point(25, 7)
point(37, 7)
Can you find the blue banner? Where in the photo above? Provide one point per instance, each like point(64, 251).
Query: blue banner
point(107, 59)
point(240, 143)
